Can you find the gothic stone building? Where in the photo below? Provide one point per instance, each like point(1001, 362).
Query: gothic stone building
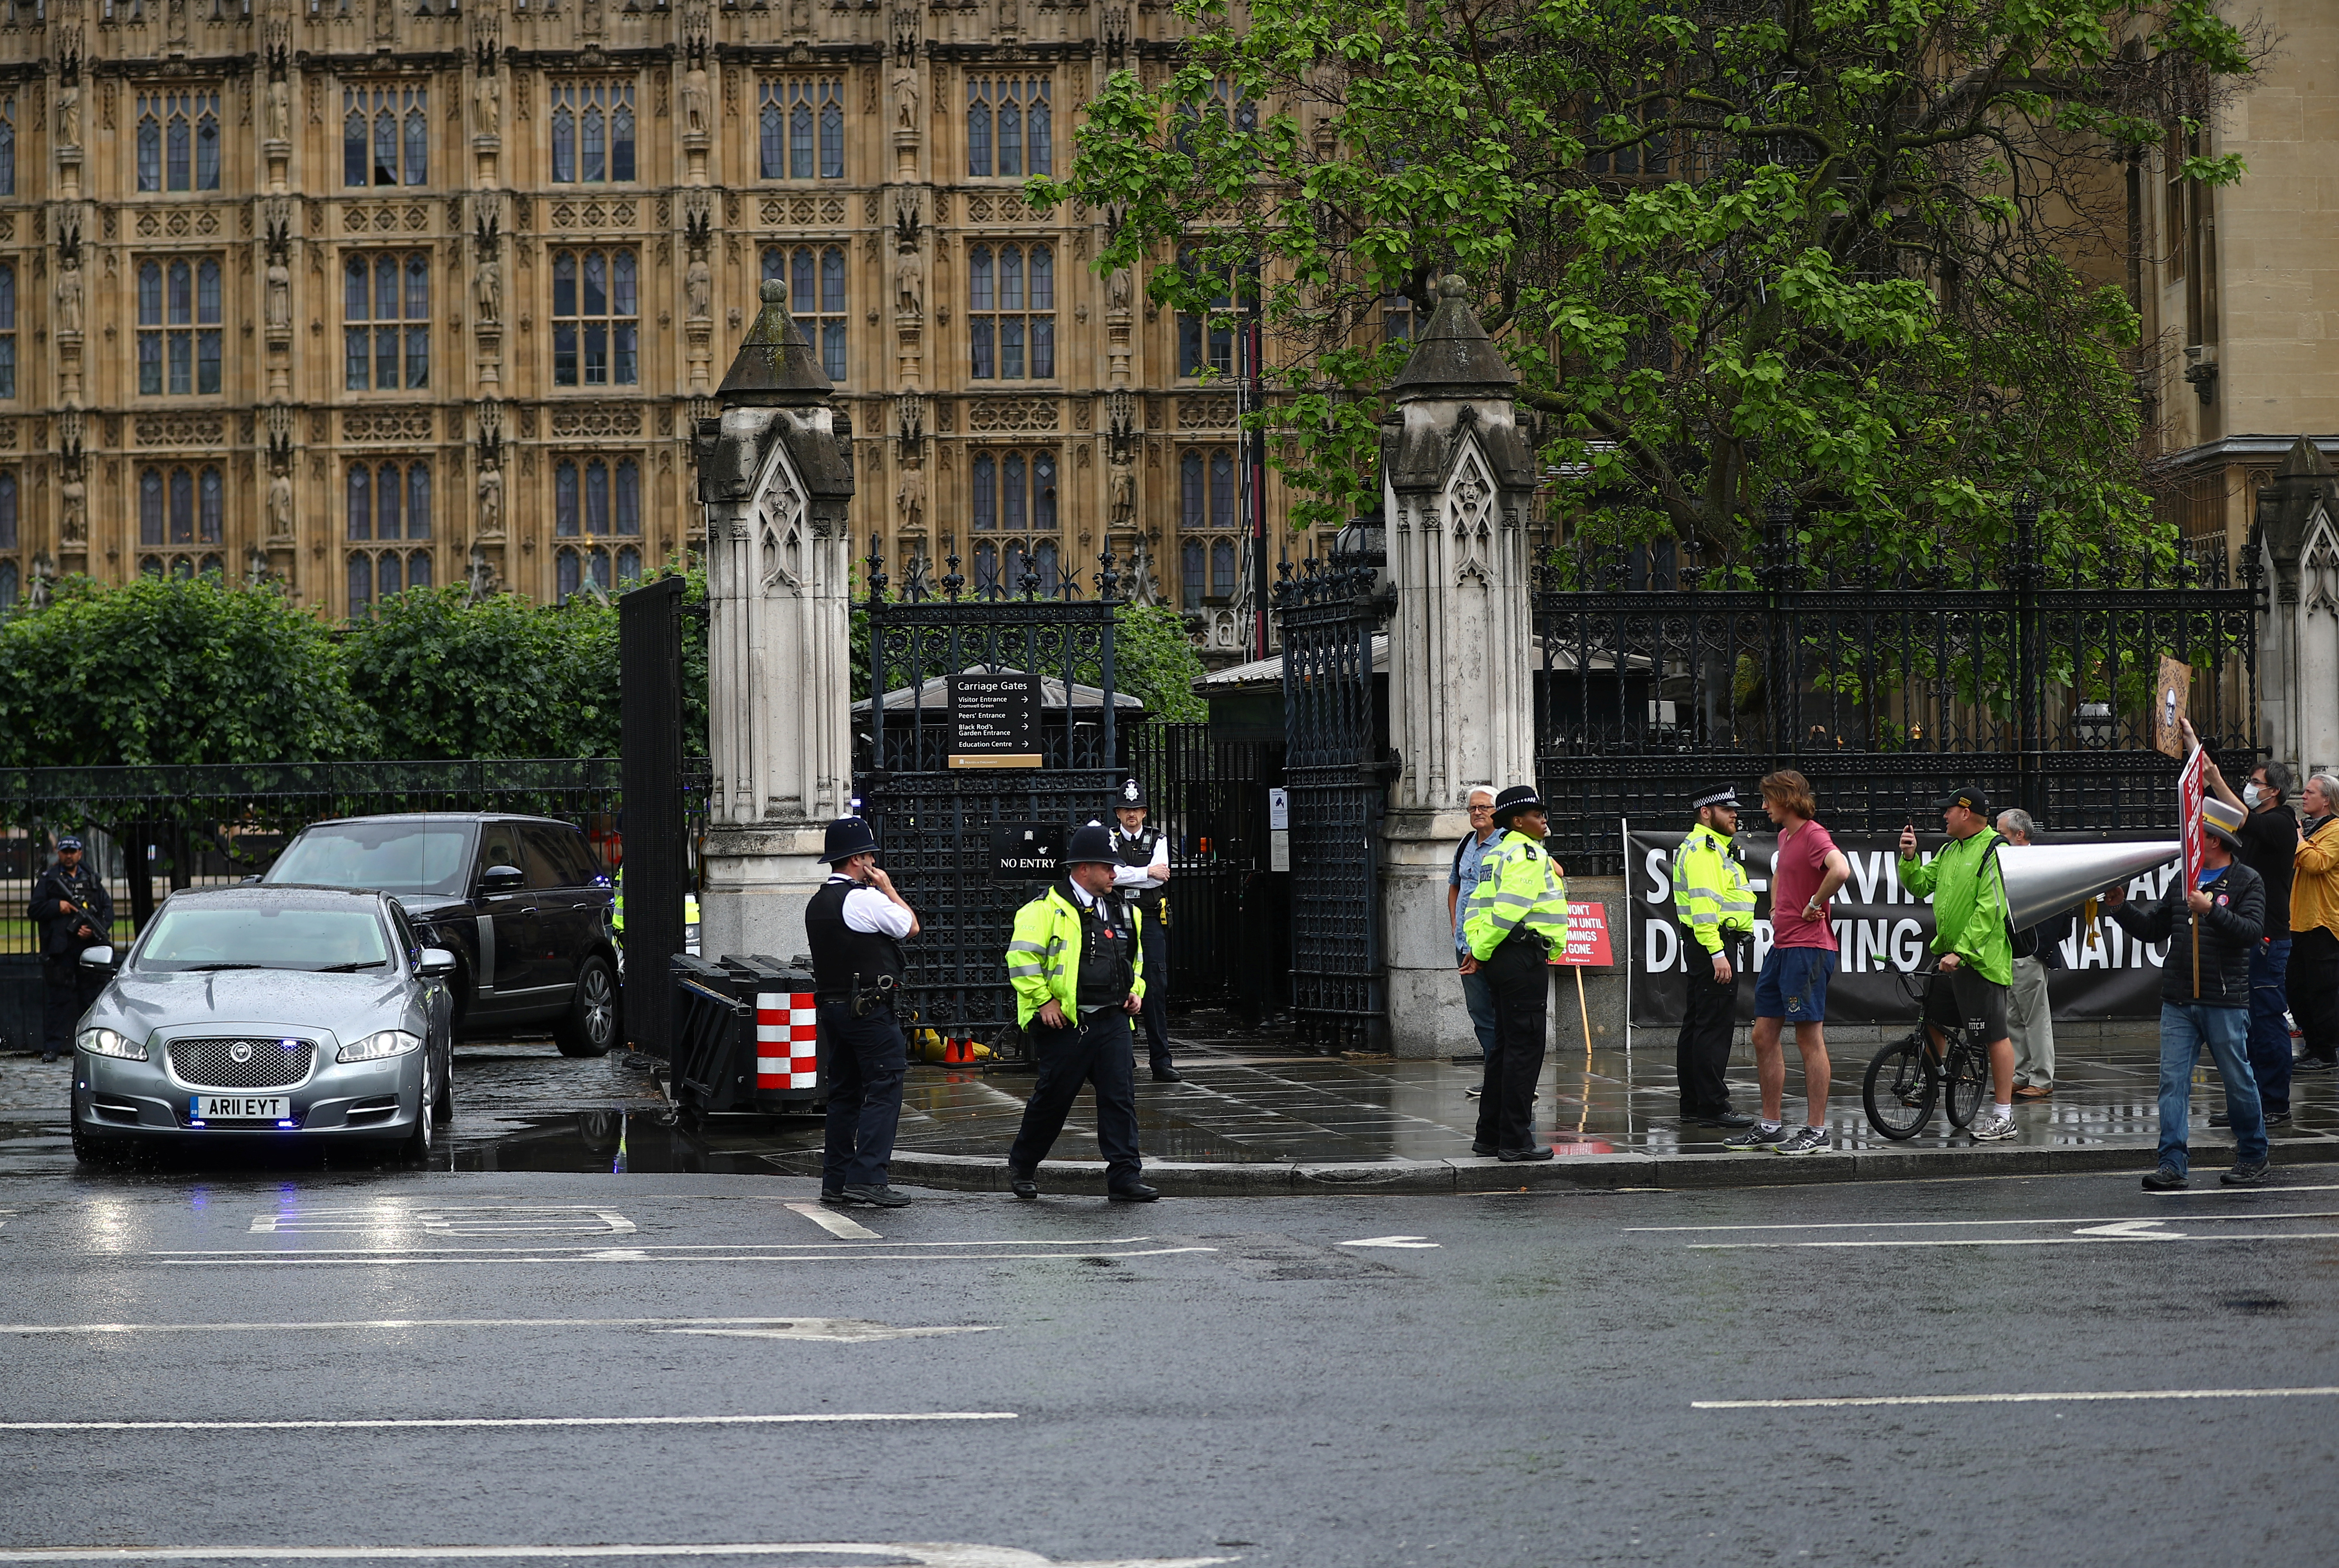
point(367, 294)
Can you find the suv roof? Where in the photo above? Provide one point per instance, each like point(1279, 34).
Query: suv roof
point(447, 816)
point(297, 893)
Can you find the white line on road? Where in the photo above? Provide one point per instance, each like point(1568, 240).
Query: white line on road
point(2103, 1237)
point(1402, 1241)
point(1961, 1224)
point(394, 1324)
point(833, 1331)
point(656, 1245)
point(390, 1423)
point(652, 1254)
point(926, 1554)
point(835, 1224)
point(449, 1219)
point(2092, 1397)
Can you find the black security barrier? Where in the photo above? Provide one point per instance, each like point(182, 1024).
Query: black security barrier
point(741, 1036)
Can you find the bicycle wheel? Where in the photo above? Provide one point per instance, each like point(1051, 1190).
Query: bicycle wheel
point(1968, 1081)
point(1899, 1090)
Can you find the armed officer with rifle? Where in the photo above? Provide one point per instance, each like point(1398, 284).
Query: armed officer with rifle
point(856, 924)
point(75, 913)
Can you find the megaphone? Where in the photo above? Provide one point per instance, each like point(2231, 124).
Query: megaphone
point(2042, 878)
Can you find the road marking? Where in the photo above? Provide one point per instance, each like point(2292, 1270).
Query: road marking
point(405, 1257)
point(660, 1246)
point(1949, 1223)
point(371, 1424)
point(460, 1220)
point(925, 1554)
point(2092, 1397)
point(2126, 1232)
point(1405, 1241)
point(833, 1330)
point(835, 1224)
point(396, 1324)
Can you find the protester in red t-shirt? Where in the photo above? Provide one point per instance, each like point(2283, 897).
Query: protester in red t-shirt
point(1793, 987)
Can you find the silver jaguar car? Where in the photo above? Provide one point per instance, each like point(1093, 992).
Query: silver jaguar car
point(251, 1013)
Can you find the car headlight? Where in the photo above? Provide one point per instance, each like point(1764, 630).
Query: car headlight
point(388, 1043)
point(108, 1042)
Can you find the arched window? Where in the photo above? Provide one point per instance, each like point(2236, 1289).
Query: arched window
point(596, 324)
point(385, 135)
point(388, 501)
point(150, 507)
point(1043, 491)
point(1206, 341)
point(386, 575)
point(150, 565)
point(597, 498)
point(210, 506)
point(1044, 562)
point(179, 326)
point(1222, 568)
point(564, 501)
point(7, 586)
point(360, 584)
point(1012, 511)
point(1012, 326)
point(360, 503)
point(1206, 506)
point(417, 503)
point(986, 570)
point(800, 127)
point(150, 146)
point(628, 521)
point(1009, 129)
point(178, 140)
point(986, 492)
point(8, 329)
point(7, 144)
point(629, 566)
point(592, 131)
point(418, 569)
point(7, 512)
point(182, 506)
point(815, 279)
point(386, 321)
point(567, 574)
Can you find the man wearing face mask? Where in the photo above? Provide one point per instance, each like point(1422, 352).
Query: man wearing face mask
point(2269, 837)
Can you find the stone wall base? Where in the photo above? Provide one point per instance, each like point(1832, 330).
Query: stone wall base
point(757, 882)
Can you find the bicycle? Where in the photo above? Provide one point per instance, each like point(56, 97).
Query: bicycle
point(1906, 1078)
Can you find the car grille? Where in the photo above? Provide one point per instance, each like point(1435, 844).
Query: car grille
point(212, 1064)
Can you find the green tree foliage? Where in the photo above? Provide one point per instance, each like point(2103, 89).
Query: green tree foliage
point(1830, 245)
point(1153, 660)
point(170, 672)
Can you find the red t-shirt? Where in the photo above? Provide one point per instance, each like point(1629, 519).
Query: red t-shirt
point(1801, 867)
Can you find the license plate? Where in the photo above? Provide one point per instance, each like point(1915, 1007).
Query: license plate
point(240, 1108)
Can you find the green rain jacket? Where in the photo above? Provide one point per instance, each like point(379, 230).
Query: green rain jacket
point(1969, 894)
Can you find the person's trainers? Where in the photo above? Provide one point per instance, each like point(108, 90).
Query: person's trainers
point(2251, 1173)
point(2272, 1118)
point(1755, 1140)
point(2305, 1063)
point(877, 1197)
point(2167, 1178)
point(1470, 1094)
point(1806, 1140)
point(1991, 1128)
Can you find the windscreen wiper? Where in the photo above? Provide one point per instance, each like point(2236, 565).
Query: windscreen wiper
point(350, 967)
point(211, 968)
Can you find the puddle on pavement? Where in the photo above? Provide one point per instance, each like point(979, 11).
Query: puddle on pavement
point(626, 1142)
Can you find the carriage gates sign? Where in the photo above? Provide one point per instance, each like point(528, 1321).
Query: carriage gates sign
point(1882, 931)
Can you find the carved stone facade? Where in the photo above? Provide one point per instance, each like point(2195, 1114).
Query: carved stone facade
point(360, 296)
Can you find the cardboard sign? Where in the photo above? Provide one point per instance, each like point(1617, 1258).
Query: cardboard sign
point(2171, 696)
point(2188, 800)
point(1587, 936)
point(995, 720)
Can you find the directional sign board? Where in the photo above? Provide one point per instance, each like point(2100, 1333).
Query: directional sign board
point(995, 720)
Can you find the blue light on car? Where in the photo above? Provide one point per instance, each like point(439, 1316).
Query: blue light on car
point(288, 1124)
point(198, 1123)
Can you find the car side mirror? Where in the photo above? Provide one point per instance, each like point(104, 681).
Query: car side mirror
point(436, 962)
point(502, 878)
point(98, 957)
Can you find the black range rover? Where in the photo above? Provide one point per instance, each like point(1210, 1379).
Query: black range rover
point(520, 901)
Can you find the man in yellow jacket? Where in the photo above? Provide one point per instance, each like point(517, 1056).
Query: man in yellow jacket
point(2312, 981)
point(1078, 974)
point(1717, 910)
point(1516, 915)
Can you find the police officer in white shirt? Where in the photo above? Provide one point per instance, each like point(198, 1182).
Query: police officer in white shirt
point(856, 924)
point(1141, 876)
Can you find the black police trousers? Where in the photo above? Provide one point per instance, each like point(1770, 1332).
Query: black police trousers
point(67, 991)
point(1099, 1051)
point(1702, 1050)
point(865, 1060)
point(1516, 977)
point(1153, 945)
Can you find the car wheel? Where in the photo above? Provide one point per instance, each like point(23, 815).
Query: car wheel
point(91, 1150)
point(417, 1145)
point(590, 1028)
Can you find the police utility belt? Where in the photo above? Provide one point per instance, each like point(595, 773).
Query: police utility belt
point(877, 997)
point(1531, 939)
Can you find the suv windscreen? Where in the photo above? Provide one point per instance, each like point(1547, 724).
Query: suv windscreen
point(397, 857)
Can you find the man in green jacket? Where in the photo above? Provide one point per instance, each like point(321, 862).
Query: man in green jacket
point(1517, 915)
point(1974, 940)
point(1079, 975)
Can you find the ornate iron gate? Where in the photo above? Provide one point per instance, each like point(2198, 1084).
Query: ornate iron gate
point(2025, 674)
point(656, 848)
point(934, 823)
point(1334, 777)
point(1210, 797)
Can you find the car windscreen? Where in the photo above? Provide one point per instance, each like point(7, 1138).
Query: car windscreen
point(262, 936)
point(400, 857)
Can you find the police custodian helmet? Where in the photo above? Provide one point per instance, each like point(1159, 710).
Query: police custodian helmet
point(847, 836)
point(1092, 843)
point(1131, 796)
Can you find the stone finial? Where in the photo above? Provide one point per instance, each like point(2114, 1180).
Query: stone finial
point(1453, 357)
point(776, 366)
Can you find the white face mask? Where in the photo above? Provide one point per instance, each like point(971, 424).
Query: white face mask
point(2252, 794)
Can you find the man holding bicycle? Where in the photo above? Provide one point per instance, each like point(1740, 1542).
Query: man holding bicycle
point(1974, 941)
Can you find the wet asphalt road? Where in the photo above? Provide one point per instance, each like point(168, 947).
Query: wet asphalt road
point(1251, 1381)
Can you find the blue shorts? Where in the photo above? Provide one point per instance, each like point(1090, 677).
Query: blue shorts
point(1793, 984)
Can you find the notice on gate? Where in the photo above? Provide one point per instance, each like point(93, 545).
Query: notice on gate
point(1587, 936)
point(995, 720)
point(1025, 851)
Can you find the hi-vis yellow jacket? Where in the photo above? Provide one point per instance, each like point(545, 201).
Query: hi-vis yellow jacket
point(1518, 886)
point(1710, 891)
point(1043, 956)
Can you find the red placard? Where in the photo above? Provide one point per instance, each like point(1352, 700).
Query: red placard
point(1587, 936)
point(2188, 800)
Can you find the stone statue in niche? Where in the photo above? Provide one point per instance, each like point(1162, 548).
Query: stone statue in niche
point(69, 111)
point(910, 284)
point(491, 503)
point(280, 506)
point(280, 296)
point(1122, 494)
point(694, 100)
point(280, 110)
point(75, 496)
point(490, 287)
point(69, 296)
point(698, 286)
point(906, 98)
point(1117, 286)
point(910, 497)
point(487, 102)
